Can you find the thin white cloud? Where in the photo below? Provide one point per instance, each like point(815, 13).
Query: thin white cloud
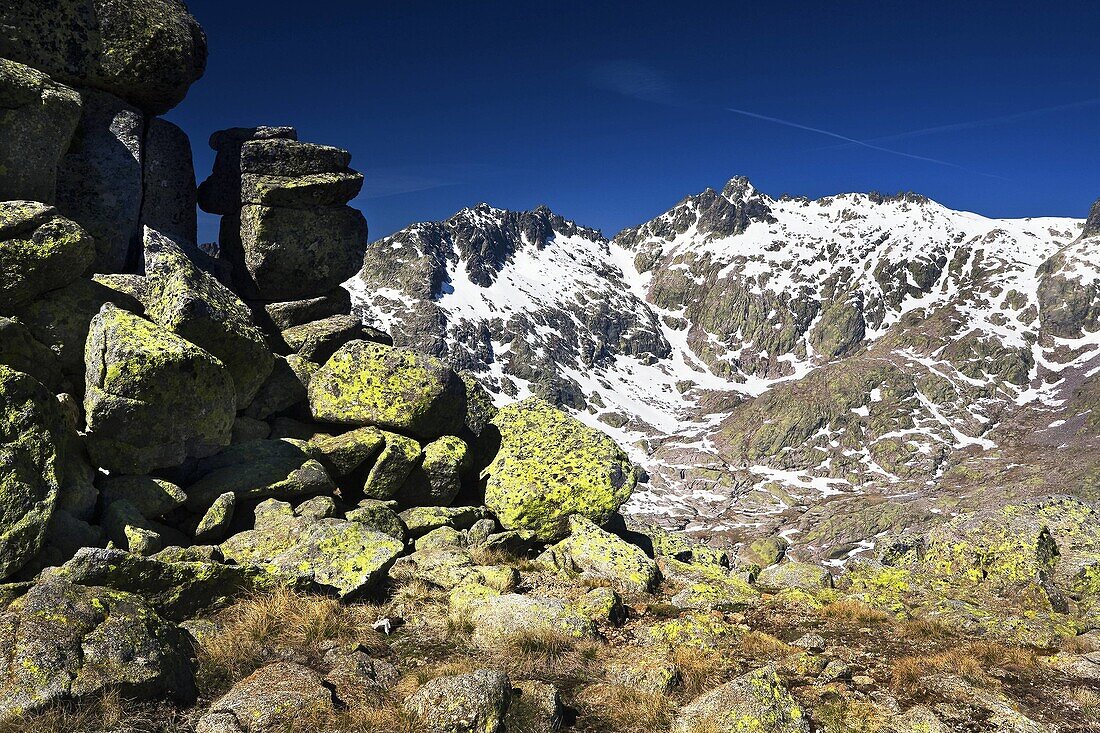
point(636, 80)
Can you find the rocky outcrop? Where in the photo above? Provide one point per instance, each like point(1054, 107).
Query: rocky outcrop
point(148, 52)
point(67, 642)
point(286, 229)
point(37, 120)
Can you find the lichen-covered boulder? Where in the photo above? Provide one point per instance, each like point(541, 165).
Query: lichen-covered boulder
point(707, 587)
point(366, 383)
point(258, 469)
point(178, 586)
point(317, 341)
point(168, 182)
point(214, 524)
point(438, 478)
point(99, 183)
point(599, 554)
point(286, 387)
point(421, 520)
point(1005, 548)
point(301, 191)
point(468, 703)
point(269, 700)
point(152, 399)
point(793, 574)
point(30, 478)
point(147, 51)
point(60, 320)
point(756, 701)
point(498, 618)
point(24, 353)
point(379, 515)
point(63, 641)
point(281, 253)
point(40, 250)
point(37, 120)
point(551, 466)
point(536, 707)
point(697, 630)
point(191, 303)
point(342, 454)
point(347, 558)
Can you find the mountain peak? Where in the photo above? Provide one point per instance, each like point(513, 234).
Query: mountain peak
point(1092, 224)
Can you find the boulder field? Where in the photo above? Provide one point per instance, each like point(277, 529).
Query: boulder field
point(226, 499)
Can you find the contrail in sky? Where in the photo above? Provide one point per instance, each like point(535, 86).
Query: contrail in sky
point(861, 143)
point(985, 122)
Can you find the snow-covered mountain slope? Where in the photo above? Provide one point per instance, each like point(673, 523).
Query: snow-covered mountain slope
point(828, 369)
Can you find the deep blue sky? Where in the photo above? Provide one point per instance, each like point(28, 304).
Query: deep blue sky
point(610, 112)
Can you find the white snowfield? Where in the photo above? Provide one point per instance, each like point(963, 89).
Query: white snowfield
point(987, 273)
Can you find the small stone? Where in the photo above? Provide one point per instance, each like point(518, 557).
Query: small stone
point(214, 525)
point(810, 642)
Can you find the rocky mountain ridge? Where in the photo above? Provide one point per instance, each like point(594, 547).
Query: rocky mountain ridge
point(935, 333)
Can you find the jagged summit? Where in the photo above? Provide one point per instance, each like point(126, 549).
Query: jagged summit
point(1092, 224)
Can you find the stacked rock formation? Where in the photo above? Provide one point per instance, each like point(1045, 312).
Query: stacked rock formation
point(80, 83)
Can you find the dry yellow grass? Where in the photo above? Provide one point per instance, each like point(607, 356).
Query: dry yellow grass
point(252, 628)
point(760, 645)
point(487, 556)
point(854, 612)
point(108, 713)
point(548, 653)
point(1088, 701)
point(699, 669)
point(616, 708)
point(919, 628)
point(972, 662)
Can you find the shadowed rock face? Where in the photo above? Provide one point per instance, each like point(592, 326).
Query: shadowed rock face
point(148, 52)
